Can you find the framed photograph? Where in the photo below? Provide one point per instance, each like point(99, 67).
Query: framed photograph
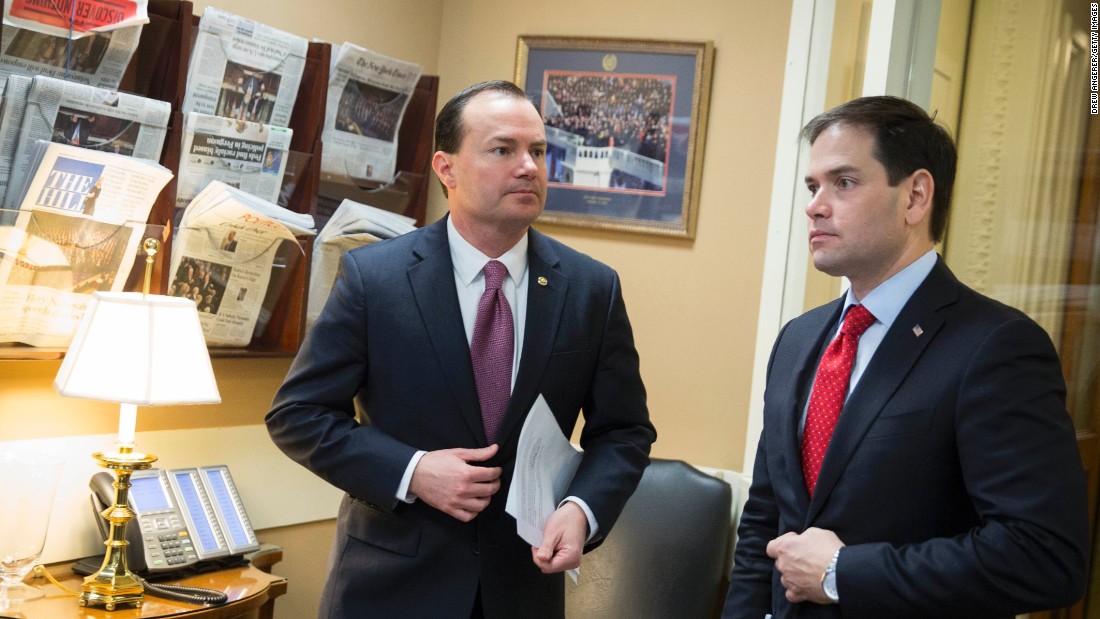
point(626, 121)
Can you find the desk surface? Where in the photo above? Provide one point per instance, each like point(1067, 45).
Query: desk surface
point(248, 589)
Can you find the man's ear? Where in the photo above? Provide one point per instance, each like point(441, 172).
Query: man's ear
point(441, 163)
point(921, 188)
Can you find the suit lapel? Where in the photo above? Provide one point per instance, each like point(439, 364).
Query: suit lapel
point(432, 281)
point(816, 334)
point(899, 351)
point(546, 291)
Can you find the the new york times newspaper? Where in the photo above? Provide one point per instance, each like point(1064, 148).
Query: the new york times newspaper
point(367, 97)
point(78, 231)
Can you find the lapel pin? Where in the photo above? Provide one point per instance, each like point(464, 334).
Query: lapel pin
point(917, 331)
point(543, 281)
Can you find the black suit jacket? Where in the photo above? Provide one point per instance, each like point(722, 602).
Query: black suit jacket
point(953, 475)
point(391, 340)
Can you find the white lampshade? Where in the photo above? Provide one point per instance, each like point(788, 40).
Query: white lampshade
point(139, 349)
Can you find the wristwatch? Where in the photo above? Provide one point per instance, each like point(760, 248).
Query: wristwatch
point(828, 579)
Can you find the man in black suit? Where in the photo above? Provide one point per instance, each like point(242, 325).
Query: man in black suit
point(422, 531)
point(951, 485)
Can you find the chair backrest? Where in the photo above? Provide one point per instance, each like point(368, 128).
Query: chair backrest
point(666, 556)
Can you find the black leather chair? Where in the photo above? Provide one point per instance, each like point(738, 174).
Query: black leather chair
point(667, 555)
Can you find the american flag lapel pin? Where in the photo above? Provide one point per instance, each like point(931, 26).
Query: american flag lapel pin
point(917, 331)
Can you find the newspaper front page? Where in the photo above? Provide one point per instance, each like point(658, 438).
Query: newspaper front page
point(222, 258)
point(89, 117)
point(246, 155)
point(367, 97)
point(244, 69)
point(95, 58)
point(78, 232)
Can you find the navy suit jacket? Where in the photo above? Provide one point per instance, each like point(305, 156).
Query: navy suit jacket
point(953, 474)
point(390, 342)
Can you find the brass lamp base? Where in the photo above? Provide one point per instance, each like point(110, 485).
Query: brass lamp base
point(114, 586)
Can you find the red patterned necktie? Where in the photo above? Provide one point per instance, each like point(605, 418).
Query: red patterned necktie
point(834, 372)
point(491, 350)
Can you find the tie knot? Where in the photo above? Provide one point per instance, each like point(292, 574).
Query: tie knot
point(857, 321)
point(494, 274)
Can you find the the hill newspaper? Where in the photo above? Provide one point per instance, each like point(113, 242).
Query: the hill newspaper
point(222, 258)
point(82, 218)
point(88, 117)
point(94, 49)
point(244, 69)
point(247, 155)
point(367, 97)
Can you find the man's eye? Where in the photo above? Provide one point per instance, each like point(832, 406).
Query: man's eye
point(499, 150)
point(813, 189)
point(538, 153)
point(845, 183)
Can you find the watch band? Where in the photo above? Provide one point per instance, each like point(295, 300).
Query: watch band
point(828, 579)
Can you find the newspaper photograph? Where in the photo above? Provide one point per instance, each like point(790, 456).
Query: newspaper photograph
point(50, 264)
point(11, 120)
point(367, 97)
point(243, 69)
point(222, 258)
point(93, 58)
point(89, 117)
point(247, 155)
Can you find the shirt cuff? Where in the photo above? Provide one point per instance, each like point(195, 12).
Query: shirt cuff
point(403, 493)
point(592, 526)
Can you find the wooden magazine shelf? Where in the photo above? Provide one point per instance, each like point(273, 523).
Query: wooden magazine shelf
point(159, 70)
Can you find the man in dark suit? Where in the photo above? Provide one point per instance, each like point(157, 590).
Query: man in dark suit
point(951, 485)
point(422, 531)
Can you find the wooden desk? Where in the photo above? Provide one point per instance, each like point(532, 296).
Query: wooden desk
point(251, 592)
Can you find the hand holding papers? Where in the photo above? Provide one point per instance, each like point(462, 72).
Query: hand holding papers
point(545, 464)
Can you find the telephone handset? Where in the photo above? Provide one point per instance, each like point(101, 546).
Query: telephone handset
point(188, 518)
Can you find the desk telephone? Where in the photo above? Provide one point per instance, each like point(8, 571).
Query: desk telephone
point(187, 519)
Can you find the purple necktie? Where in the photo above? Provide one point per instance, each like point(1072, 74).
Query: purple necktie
point(491, 350)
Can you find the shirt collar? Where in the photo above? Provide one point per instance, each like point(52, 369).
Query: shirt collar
point(887, 299)
point(469, 261)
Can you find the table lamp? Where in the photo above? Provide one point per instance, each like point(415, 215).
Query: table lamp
point(134, 349)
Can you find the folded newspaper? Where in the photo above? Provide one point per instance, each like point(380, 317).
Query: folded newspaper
point(81, 220)
point(225, 249)
point(247, 155)
point(16, 88)
point(89, 117)
point(85, 41)
point(243, 69)
point(367, 97)
point(352, 225)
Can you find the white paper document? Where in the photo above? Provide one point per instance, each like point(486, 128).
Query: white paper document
point(545, 464)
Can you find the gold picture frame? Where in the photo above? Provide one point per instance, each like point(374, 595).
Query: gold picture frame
point(626, 124)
